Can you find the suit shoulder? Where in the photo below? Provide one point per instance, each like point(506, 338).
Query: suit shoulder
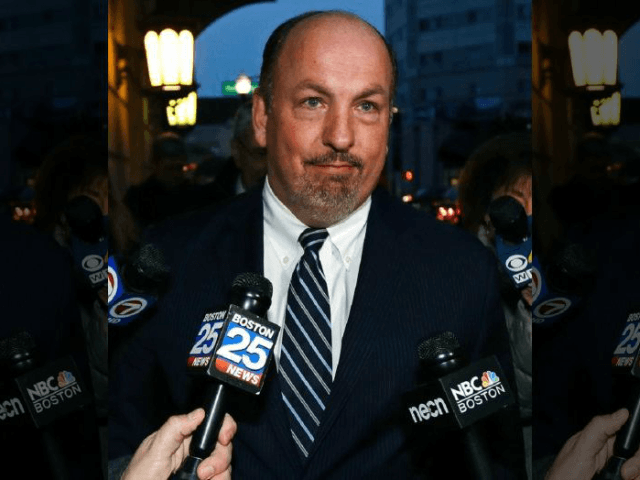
point(418, 230)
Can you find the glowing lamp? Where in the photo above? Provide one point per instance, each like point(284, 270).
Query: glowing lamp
point(181, 112)
point(606, 112)
point(170, 58)
point(594, 58)
point(243, 84)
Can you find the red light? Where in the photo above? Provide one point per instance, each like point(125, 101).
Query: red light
point(408, 175)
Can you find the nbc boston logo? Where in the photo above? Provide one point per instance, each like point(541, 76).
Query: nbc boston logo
point(477, 391)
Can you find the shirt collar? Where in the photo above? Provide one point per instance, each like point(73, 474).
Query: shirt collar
point(285, 228)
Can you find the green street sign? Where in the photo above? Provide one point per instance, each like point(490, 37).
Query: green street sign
point(229, 88)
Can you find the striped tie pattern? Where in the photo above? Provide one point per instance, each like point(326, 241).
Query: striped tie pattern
point(305, 358)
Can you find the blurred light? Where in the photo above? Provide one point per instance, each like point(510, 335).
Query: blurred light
point(189, 167)
point(407, 198)
point(170, 58)
point(408, 175)
point(182, 112)
point(594, 58)
point(606, 112)
point(243, 84)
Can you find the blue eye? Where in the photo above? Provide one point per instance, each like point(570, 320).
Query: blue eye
point(368, 107)
point(313, 102)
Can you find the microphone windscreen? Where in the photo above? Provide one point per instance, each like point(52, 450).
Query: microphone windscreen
point(85, 219)
point(253, 281)
point(509, 218)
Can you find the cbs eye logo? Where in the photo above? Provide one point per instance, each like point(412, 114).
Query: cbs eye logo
point(92, 263)
point(516, 263)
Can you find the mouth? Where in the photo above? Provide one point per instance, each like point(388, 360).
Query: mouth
point(338, 162)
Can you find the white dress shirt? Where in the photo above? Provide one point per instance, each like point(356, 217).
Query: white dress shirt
point(340, 256)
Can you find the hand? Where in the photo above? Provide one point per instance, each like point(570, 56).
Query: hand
point(587, 451)
point(161, 453)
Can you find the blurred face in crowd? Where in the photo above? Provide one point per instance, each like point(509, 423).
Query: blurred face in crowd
point(170, 171)
point(521, 190)
point(250, 158)
point(97, 190)
point(327, 128)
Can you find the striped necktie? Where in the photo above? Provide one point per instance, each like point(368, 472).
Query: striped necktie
point(305, 358)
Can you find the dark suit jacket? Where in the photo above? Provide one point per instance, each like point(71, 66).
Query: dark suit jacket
point(417, 277)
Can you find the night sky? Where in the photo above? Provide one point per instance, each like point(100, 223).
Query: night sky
point(233, 44)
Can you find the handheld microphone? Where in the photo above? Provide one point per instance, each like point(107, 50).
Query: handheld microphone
point(234, 347)
point(456, 395)
point(89, 244)
point(625, 367)
point(558, 289)
point(513, 238)
point(37, 395)
point(135, 283)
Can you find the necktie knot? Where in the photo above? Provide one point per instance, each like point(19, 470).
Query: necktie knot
point(313, 238)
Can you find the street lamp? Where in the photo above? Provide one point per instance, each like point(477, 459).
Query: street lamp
point(181, 112)
point(243, 84)
point(594, 59)
point(170, 59)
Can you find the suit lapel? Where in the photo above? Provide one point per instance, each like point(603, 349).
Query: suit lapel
point(366, 322)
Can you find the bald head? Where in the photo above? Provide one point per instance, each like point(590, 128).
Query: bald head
point(296, 27)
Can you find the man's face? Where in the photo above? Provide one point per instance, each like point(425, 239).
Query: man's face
point(327, 130)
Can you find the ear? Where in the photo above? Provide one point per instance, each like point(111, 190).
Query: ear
point(259, 118)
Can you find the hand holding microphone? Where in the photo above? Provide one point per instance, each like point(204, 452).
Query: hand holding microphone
point(233, 348)
point(588, 451)
point(162, 452)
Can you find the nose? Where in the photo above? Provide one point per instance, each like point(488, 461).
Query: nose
point(338, 129)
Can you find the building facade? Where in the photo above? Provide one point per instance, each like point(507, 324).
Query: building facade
point(459, 63)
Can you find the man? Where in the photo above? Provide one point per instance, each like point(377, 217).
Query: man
point(393, 276)
point(247, 165)
point(167, 191)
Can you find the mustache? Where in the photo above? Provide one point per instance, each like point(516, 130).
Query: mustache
point(336, 157)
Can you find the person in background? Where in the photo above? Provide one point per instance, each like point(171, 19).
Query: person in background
point(247, 166)
point(167, 191)
point(76, 170)
point(502, 166)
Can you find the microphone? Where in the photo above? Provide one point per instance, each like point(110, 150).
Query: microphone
point(89, 244)
point(626, 369)
point(513, 238)
point(234, 347)
point(135, 283)
point(558, 289)
point(38, 394)
point(457, 395)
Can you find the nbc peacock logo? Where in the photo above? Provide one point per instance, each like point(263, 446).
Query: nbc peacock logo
point(489, 378)
point(65, 378)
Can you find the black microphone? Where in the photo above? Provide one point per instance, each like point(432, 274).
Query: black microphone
point(135, 283)
point(217, 354)
point(513, 239)
point(457, 394)
point(627, 371)
point(37, 394)
point(89, 243)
